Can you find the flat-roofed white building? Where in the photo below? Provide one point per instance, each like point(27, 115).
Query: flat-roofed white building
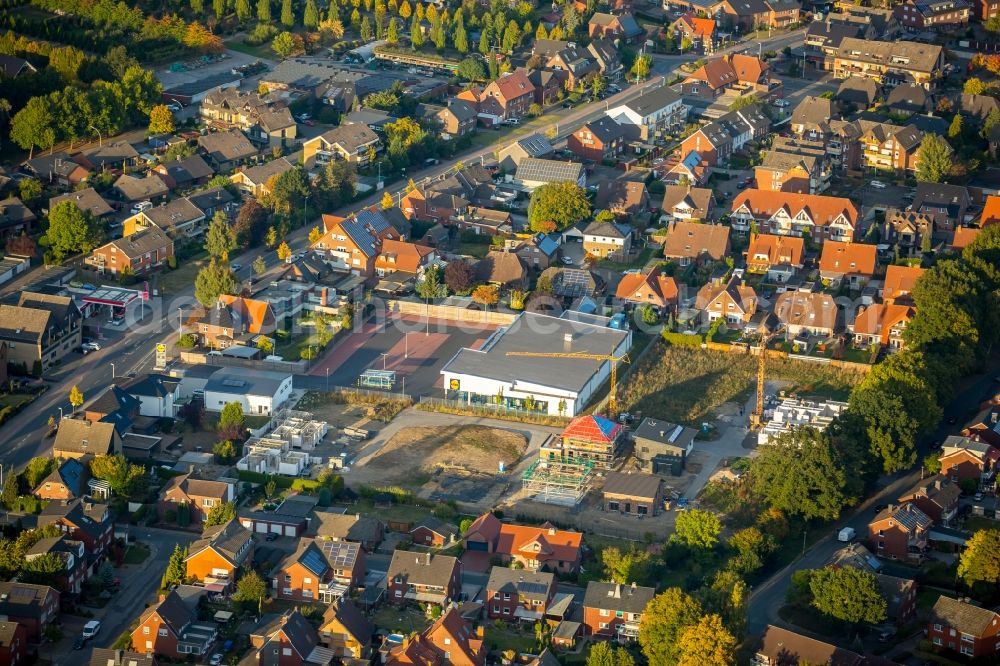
point(799, 412)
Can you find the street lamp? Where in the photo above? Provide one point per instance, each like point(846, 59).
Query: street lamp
point(305, 210)
point(406, 344)
point(100, 137)
point(112, 370)
point(180, 323)
point(328, 380)
point(384, 356)
point(60, 413)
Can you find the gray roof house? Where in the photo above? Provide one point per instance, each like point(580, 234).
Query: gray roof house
point(662, 447)
point(533, 172)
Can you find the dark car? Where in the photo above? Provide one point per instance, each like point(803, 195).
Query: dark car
point(78, 643)
point(271, 536)
point(879, 508)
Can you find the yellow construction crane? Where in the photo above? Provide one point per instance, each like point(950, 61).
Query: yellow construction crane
point(757, 417)
point(612, 399)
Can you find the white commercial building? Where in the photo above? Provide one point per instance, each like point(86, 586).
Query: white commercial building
point(488, 376)
point(259, 391)
point(796, 413)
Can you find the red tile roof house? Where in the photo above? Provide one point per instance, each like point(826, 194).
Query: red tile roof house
point(32, 606)
point(649, 288)
point(590, 437)
point(611, 610)
point(13, 643)
point(542, 547)
point(851, 262)
point(688, 242)
point(963, 458)
point(961, 627)
point(200, 495)
point(317, 568)
point(73, 555)
point(424, 578)
point(169, 628)
point(83, 520)
point(285, 640)
point(936, 496)
point(433, 532)
point(450, 641)
point(899, 532)
point(781, 647)
point(518, 594)
point(733, 302)
point(507, 97)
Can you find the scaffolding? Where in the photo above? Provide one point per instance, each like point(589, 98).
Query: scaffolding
point(298, 429)
point(561, 481)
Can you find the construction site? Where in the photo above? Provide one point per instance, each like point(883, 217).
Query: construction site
point(560, 481)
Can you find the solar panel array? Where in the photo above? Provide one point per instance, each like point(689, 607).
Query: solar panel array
point(531, 588)
point(574, 283)
point(313, 561)
point(340, 554)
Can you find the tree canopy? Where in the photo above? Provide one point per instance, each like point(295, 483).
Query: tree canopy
point(707, 643)
point(698, 528)
point(980, 561)
point(212, 280)
point(934, 159)
point(71, 230)
point(848, 594)
point(663, 622)
point(802, 473)
point(556, 206)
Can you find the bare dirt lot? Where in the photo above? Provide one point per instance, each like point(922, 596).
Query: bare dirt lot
point(415, 455)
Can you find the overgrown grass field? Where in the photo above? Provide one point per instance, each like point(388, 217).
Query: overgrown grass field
point(685, 384)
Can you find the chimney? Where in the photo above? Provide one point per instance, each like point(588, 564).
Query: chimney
point(428, 558)
point(633, 586)
point(480, 631)
point(552, 531)
point(323, 296)
point(618, 591)
point(162, 597)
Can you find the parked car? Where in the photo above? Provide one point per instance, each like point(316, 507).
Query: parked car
point(141, 206)
point(271, 536)
point(90, 346)
point(878, 185)
point(216, 659)
point(846, 534)
point(78, 643)
point(174, 107)
point(91, 629)
point(236, 267)
point(566, 261)
point(781, 103)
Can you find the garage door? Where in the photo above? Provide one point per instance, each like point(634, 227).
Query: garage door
point(290, 530)
point(479, 546)
point(262, 528)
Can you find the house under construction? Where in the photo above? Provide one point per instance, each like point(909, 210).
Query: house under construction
point(592, 438)
point(562, 481)
point(298, 429)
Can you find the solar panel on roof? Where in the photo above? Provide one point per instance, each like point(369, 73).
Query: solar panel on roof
point(233, 382)
point(575, 283)
point(314, 562)
point(531, 588)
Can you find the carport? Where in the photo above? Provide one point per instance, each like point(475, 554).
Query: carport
point(116, 298)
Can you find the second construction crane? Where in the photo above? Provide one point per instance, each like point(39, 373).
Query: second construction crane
point(757, 416)
point(614, 360)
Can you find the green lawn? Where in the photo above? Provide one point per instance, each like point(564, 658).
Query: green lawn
point(16, 399)
point(171, 281)
point(400, 512)
point(136, 554)
point(477, 250)
point(260, 51)
point(507, 638)
point(403, 621)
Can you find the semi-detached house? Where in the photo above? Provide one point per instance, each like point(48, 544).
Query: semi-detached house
point(788, 214)
point(889, 63)
point(352, 143)
point(611, 610)
point(961, 627)
point(354, 244)
point(652, 114)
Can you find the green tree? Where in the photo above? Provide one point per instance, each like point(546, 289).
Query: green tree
point(30, 189)
point(284, 45)
point(429, 287)
point(751, 549)
point(461, 38)
point(161, 120)
point(288, 192)
point(243, 10)
point(231, 419)
point(416, 33)
point(642, 66)
point(220, 239)
point(980, 561)
point(9, 499)
point(225, 451)
point(743, 102)
point(626, 567)
point(556, 206)
point(121, 475)
point(221, 514)
point(728, 596)
point(36, 470)
point(934, 159)
point(698, 528)
point(287, 15)
point(250, 588)
point(511, 37)
point(310, 16)
point(67, 61)
point(847, 594)
point(264, 11)
point(43, 570)
point(802, 473)
point(366, 30)
point(932, 462)
point(176, 568)
point(663, 622)
point(992, 120)
point(284, 251)
point(212, 280)
point(707, 643)
point(259, 265)
point(34, 125)
point(471, 69)
point(955, 129)
point(392, 33)
point(603, 653)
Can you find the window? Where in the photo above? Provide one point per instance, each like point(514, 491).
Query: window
point(162, 631)
point(286, 652)
point(447, 641)
point(307, 581)
point(145, 630)
point(399, 593)
point(604, 612)
point(506, 611)
point(603, 625)
point(149, 645)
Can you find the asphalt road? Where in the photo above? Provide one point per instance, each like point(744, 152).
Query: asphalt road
point(769, 596)
point(139, 582)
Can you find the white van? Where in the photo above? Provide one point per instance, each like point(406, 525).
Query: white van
point(846, 534)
